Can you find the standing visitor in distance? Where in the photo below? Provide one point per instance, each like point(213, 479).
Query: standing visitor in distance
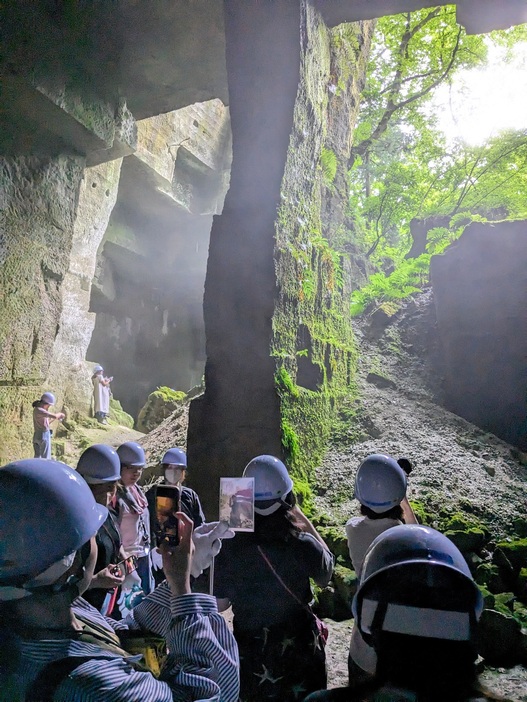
point(101, 394)
point(41, 429)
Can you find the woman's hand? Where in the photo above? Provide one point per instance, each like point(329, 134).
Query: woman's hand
point(177, 560)
point(107, 578)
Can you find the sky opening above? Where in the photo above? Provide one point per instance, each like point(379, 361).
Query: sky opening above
point(481, 102)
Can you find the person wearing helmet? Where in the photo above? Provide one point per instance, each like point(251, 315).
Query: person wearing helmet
point(133, 516)
point(41, 429)
point(418, 606)
point(100, 467)
point(265, 575)
point(101, 394)
point(174, 466)
point(55, 646)
point(380, 487)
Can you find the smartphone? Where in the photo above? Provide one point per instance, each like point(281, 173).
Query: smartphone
point(128, 565)
point(168, 502)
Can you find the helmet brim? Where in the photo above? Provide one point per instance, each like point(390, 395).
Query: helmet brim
point(479, 604)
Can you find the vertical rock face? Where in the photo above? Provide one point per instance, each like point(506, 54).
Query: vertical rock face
point(68, 370)
point(239, 417)
point(313, 341)
point(480, 292)
point(273, 295)
point(37, 216)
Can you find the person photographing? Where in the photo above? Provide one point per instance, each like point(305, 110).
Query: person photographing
point(55, 647)
point(41, 424)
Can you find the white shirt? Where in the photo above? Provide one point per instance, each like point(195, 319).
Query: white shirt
point(361, 532)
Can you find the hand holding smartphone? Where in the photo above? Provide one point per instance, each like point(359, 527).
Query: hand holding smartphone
point(168, 502)
point(125, 567)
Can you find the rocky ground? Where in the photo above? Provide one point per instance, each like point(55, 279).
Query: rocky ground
point(456, 465)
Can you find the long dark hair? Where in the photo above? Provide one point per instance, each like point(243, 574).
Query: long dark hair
point(279, 526)
point(393, 513)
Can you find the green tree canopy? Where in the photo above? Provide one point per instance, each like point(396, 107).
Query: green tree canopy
point(402, 168)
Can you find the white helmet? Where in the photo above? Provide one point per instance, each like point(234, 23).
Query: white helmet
point(380, 483)
point(271, 482)
point(415, 582)
point(48, 398)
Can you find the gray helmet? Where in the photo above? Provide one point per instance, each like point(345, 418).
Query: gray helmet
point(131, 454)
point(48, 398)
point(380, 483)
point(414, 581)
point(272, 483)
point(47, 511)
point(99, 464)
point(175, 457)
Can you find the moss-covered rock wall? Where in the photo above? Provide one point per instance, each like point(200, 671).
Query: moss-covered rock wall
point(312, 334)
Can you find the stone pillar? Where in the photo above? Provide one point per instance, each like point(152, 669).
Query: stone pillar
point(238, 417)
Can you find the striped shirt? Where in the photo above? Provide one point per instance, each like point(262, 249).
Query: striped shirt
point(202, 662)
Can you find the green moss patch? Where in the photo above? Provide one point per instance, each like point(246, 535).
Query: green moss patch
point(160, 404)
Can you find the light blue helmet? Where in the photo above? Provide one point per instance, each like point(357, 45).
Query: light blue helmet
point(380, 483)
point(97, 368)
point(47, 511)
point(99, 464)
point(131, 454)
point(272, 482)
point(48, 398)
point(175, 457)
point(418, 580)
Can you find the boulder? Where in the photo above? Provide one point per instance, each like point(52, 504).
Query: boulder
point(336, 541)
point(499, 638)
point(159, 405)
point(331, 606)
point(380, 381)
point(488, 575)
point(345, 581)
point(468, 540)
point(119, 416)
point(515, 552)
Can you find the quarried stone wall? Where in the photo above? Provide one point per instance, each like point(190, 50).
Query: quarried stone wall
point(37, 216)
